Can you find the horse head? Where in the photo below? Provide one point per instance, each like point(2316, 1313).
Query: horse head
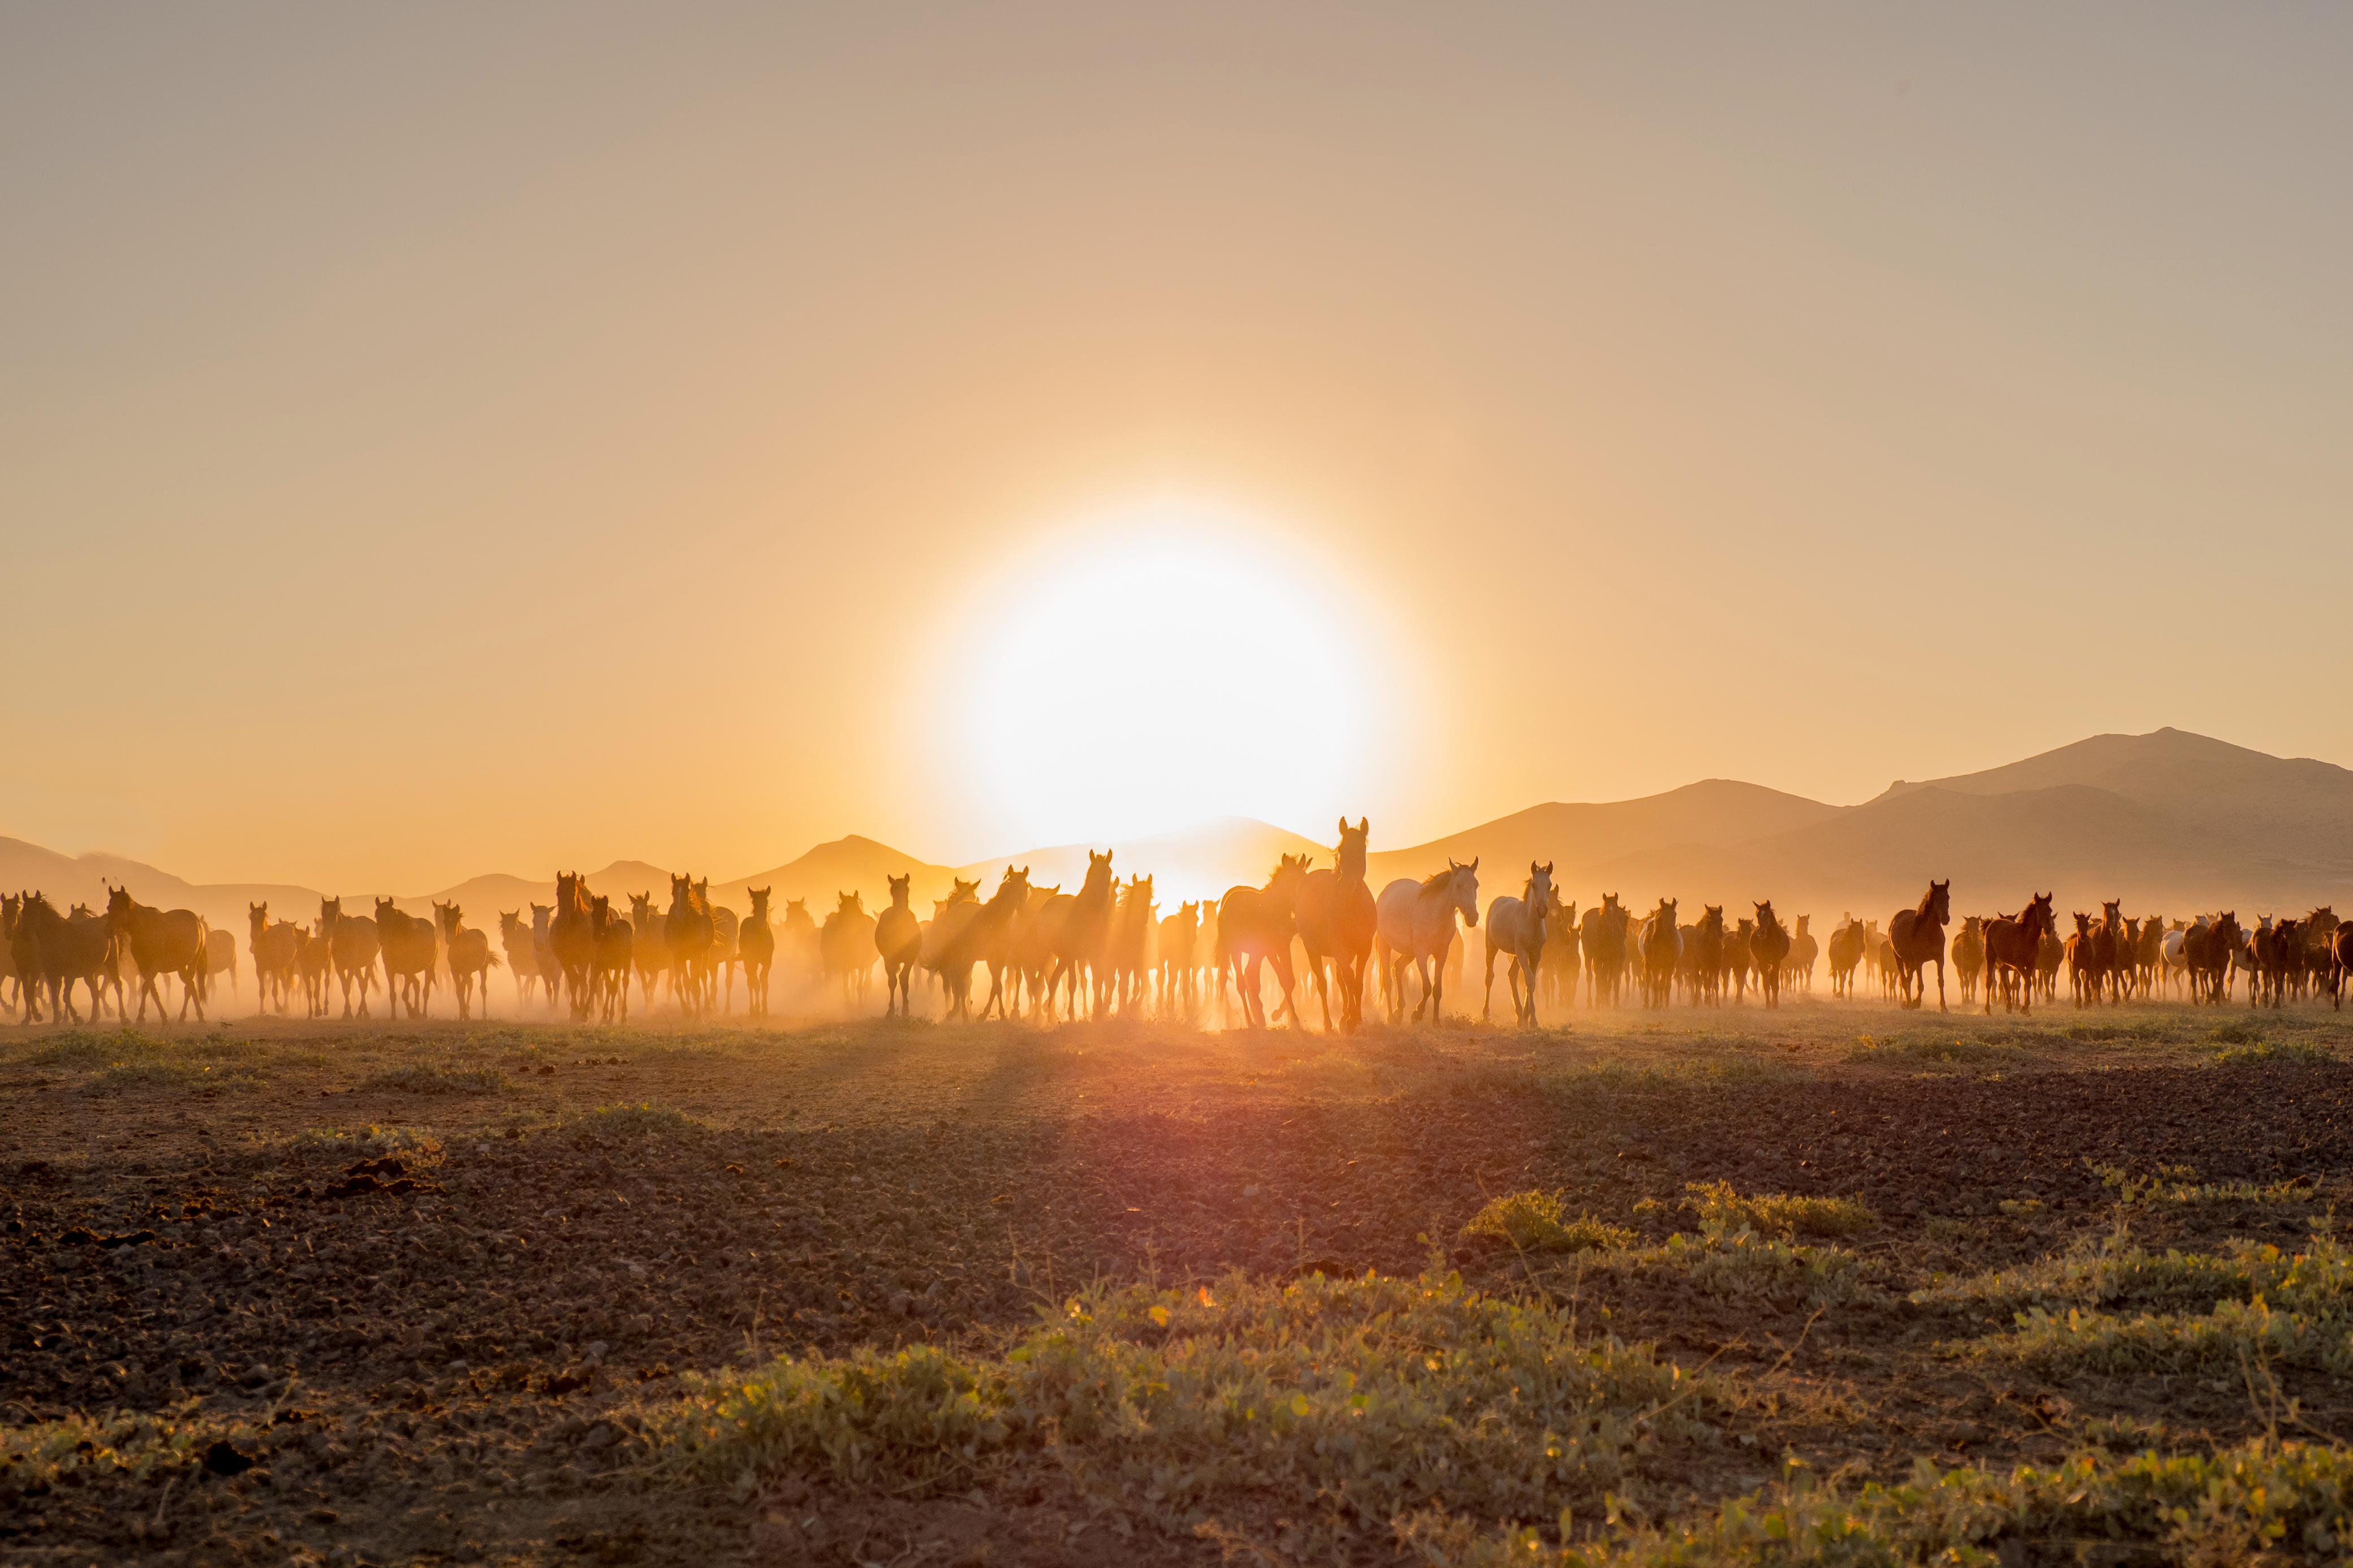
point(759, 895)
point(900, 886)
point(1940, 900)
point(1462, 889)
point(1350, 857)
point(850, 904)
point(1539, 895)
point(1767, 920)
point(384, 907)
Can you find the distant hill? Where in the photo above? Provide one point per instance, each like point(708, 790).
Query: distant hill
point(1582, 839)
point(2168, 821)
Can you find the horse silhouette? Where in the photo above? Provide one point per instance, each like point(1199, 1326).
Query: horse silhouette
point(756, 944)
point(1256, 926)
point(1769, 946)
point(1337, 922)
point(411, 945)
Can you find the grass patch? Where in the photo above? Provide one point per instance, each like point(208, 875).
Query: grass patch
point(2257, 1051)
point(1346, 1405)
point(1741, 1265)
point(1776, 1214)
point(2117, 1276)
point(77, 1449)
point(152, 1074)
point(1537, 1222)
point(2261, 1502)
point(432, 1078)
point(630, 1124)
point(370, 1142)
point(1943, 1050)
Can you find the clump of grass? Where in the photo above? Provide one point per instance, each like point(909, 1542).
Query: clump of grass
point(1739, 1264)
point(167, 1074)
point(1540, 1222)
point(433, 1078)
point(1944, 1049)
point(1347, 1405)
point(2116, 1274)
point(630, 1124)
point(2261, 1050)
point(1781, 1214)
point(337, 1142)
point(85, 1050)
point(2237, 1032)
point(2261, 1502)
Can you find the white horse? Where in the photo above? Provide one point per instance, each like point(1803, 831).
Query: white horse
point(1515, 928)
point(1416, 921)
point(2175, 954)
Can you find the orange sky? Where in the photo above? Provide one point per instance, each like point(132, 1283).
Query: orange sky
point(434, 439)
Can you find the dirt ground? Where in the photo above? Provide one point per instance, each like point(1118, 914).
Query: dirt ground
point(437, 1341)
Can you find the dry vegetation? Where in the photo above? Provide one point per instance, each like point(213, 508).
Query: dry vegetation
point(1838, 1285)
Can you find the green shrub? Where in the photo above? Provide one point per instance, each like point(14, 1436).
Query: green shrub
point(1538, 1222)
point(1348, 1404)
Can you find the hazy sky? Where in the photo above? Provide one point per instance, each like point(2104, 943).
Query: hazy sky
point(437, 439)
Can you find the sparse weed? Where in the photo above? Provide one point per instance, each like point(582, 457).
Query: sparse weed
point(151, 1073)
point(2256, 1050)
point(1538, 1222)
point(630, 1123)
point(2257, 1502)
point(2177, 1184)
point(435, 1077)
point(1943, 1049)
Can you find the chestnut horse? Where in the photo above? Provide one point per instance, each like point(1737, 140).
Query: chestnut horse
point(471, 958)
point(1337, 924)
point(411, 946)
point(2013, 947)
point(1602, 935)
point(756, 945)
point(1662, 951)
point(1917, 937)
point(1077, 932)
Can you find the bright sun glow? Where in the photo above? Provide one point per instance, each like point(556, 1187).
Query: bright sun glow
point(1162, 665)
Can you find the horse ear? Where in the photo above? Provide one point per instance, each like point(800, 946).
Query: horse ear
point(1344, 827)
point(1363, 824)
point(1475, 863)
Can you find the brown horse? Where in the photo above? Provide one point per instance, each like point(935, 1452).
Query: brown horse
point(1702, 956)
point(54, 951)
point(469, 956)
point(274, 948)
point(1078, 928)
point(1255, 926)
point(161, 943)
point(356, 946)
point(1603, 938)
point(756, 943)
point(523, 953)
point(959, 940)
point(2013, 946)
point(411, 944)
point(613, 958)
point(1563, 961)
point(1336, 922)
point(1130, 945)
point(687, 938)
point(314, 959)
point(1847, 948)
point(572, 941)
point(1178, 936)
point(1915, 937)
point(1803, 952)
point(1969, 955)
point(2082, 960)
point(1768, 946)
point(1662, 951)
point(847, 942)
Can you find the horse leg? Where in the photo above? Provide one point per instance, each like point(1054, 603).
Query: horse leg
point(1940, 986)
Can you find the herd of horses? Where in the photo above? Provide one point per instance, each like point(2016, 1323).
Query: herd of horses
point(1107, 948)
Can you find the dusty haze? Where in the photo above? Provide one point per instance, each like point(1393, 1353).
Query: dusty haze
point(435, 439)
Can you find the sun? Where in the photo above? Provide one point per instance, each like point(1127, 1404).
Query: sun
point(1164, 663)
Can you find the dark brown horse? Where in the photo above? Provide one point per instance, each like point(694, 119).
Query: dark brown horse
point(572, 941)
point(1255, 925)
point(2207, 949)
point(54, 951)
point(1601, 936)
point(687, 937)
point(1917, 937)
point(2013, 945)
point(1770, 948)
point(982, 931)
point(356, 946)
point(274, 948)
point(469, 957)
point(614, 960)
point(1336, 921)
point(1705, 960)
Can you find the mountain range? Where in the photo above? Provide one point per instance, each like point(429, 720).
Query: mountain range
point(2168, 821)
